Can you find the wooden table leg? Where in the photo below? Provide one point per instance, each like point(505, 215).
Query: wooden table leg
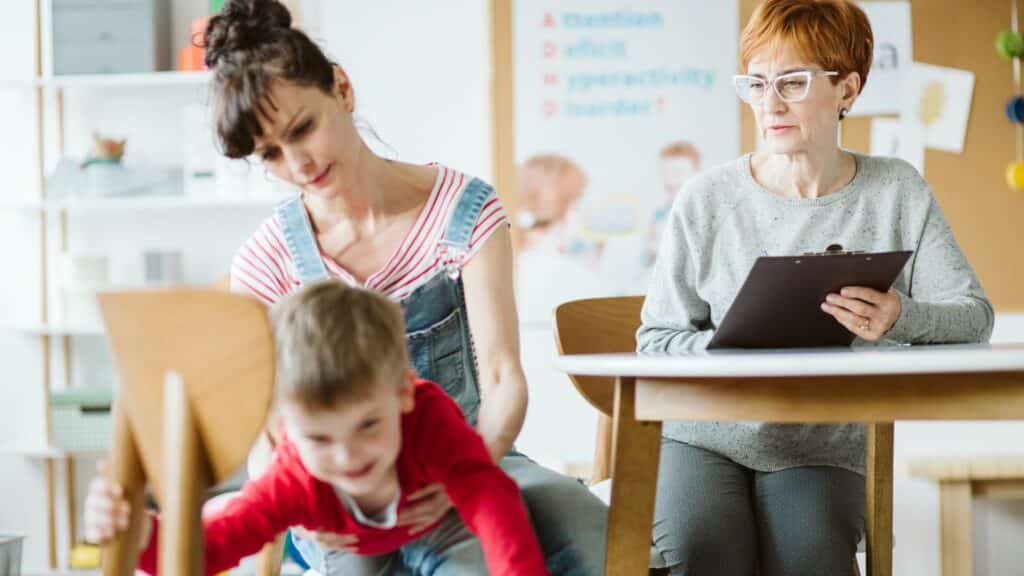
point(186, 479)
point(878, 498)
point(120, 556)
point(635, 451)
point(955, 527)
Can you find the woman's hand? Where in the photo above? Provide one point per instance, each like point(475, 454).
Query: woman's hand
point(106, 511)
point(329, 540)
point(424, 508)
point(865, 312)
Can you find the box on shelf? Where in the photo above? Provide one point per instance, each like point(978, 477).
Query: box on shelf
point(81, 418)
point(110, 36)
point(10, 554)
point(82, 277)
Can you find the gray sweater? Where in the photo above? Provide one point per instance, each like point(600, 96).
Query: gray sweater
point(723, 220)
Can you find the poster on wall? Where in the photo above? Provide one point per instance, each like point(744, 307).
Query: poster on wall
point(615, 109)
point(891, 28)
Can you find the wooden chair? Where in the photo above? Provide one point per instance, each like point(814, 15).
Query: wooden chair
point(609, 325)
point(961, 481)
point(196, 377)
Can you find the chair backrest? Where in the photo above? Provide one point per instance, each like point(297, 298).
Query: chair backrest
point(221, 346)
point(597, 326)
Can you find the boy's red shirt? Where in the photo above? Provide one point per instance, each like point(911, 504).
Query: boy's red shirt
point(438, 445)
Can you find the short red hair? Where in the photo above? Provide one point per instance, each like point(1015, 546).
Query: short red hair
point(835, 34)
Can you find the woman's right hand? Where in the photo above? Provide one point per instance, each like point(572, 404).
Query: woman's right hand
point(106, 511)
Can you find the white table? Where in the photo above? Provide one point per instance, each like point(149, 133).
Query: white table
point(871, 385)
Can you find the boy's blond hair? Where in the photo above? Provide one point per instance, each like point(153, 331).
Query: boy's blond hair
point(336, 343)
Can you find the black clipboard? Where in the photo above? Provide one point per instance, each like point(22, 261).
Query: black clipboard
point(779, 304)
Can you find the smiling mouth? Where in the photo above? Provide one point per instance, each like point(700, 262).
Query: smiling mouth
point(319, 179)
point(354, 474)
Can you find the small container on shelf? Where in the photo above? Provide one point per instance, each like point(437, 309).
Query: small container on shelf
point(81, 418)
point(10, 554)
point(83, 275)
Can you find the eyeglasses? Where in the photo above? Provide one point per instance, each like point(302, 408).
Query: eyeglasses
point(790, 87)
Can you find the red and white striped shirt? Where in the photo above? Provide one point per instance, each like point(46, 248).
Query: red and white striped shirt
point(264, 268)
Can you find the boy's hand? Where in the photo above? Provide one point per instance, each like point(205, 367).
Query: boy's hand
point(424, 508)
point(331, 540)
point(106, 510)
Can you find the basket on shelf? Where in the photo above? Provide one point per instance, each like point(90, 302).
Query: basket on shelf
point(81, 418)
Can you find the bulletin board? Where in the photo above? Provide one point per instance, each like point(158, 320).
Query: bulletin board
point(986, 215)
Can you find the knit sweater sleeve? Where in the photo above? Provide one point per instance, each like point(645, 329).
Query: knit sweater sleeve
point(675, 319)
point(945, 303)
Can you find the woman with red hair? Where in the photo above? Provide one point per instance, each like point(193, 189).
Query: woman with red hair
point(788, 499)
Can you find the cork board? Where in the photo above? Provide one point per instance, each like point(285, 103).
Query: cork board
point(986, 215)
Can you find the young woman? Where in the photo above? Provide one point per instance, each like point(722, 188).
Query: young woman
point(430, 237)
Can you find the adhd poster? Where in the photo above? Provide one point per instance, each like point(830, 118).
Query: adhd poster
point(617, 105)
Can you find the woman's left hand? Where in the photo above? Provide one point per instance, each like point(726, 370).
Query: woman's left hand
point(424, 508)
point(865, 312)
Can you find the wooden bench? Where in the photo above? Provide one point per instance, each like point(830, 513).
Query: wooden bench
point(960, 480)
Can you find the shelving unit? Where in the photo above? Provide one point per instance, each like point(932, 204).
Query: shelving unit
point(60, 342)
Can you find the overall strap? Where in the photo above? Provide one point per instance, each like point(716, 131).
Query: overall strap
point(459, 228)
point(298, 235)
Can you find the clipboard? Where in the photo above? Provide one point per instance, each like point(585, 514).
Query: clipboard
point(779, 304)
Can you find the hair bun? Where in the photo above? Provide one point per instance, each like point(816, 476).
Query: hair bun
point(243, 26)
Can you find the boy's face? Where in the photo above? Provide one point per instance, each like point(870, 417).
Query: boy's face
point(353, 445)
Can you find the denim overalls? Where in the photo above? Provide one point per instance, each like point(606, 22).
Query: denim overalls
point(436, 326)
point(569, 521)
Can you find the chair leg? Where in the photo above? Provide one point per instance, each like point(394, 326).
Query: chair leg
point(602, 450)
point(268, 563)
point(955, 528)
point(878, 498)
point(120, 556)
point(186, 480)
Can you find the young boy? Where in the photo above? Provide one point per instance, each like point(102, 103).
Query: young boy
point(361, 434)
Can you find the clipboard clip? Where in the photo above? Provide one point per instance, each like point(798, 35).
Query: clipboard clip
point(833, 250)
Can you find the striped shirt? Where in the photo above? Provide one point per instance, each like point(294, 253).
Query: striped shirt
point(264, 267)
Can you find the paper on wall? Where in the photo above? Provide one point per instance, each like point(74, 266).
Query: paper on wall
point(892, 137)
point(890, 26)
point(937, 102)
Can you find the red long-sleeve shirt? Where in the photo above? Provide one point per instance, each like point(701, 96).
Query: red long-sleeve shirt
point(438, 445)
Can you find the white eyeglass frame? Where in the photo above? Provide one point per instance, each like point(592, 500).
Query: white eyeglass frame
point(809, 75)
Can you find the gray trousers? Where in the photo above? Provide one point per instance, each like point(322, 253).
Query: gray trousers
point(714, 516)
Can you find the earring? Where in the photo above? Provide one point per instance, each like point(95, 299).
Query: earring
point(843, 112)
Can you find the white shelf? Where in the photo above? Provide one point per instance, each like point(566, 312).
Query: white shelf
point(136, 203)
point(37, 452)
point(20, 205)
point(168, 78)
point(57, 329)
point(48, 452)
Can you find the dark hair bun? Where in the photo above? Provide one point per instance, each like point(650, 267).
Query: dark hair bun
point(244, 26)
